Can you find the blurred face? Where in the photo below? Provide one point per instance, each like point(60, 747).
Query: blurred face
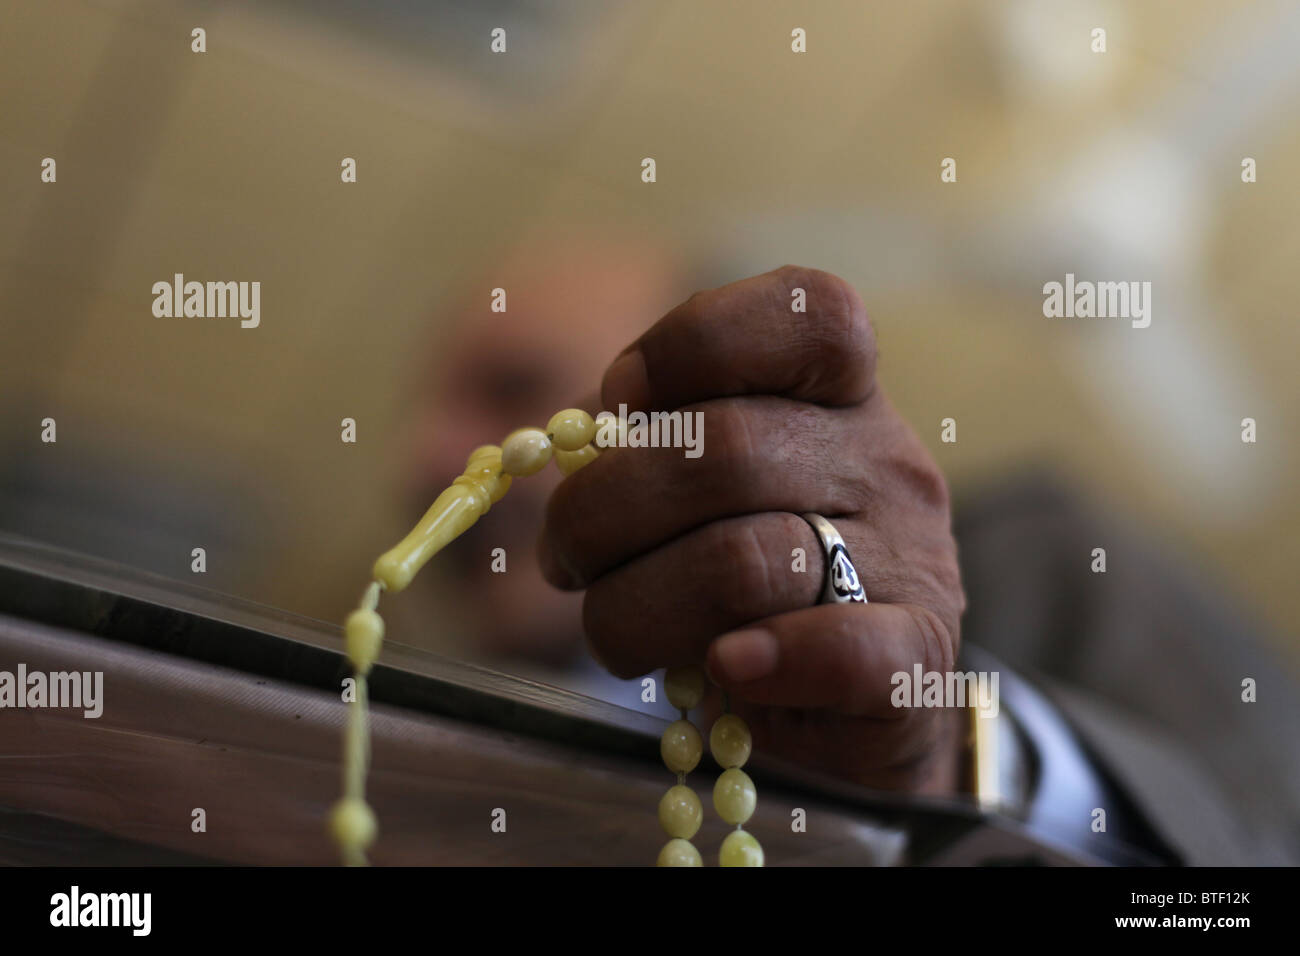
point(568, 314)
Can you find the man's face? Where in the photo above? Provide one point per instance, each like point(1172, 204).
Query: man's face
point(566, 319)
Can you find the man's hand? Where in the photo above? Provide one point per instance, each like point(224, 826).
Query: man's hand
point(691, 559)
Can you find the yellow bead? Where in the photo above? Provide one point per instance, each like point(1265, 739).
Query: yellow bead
point(352, 823)
point(571, 429)
point(734, 796)
point(740, 849)
point(486, 471)
point(482, 451)
point(730, 741)
point(570, 461)
point(681, 746)
point(679, 853)
point(525, 452)
point(485, 466)
point(680, 812)
point(364, 631)
point(685, 686)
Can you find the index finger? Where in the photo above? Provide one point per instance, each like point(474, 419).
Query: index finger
point(748, 338)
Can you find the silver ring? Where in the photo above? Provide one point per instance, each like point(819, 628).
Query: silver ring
point(842, 584)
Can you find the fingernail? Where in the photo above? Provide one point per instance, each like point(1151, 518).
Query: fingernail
point(626, 381)
point(742, 656)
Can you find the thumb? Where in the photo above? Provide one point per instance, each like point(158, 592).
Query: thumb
point(839, 657)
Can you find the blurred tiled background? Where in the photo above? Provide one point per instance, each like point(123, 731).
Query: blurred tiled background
point(226, 166)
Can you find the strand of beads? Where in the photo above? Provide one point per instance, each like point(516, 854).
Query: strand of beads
point(680, 810)
point(734, 794)
point(352, 822)
point(488, 473)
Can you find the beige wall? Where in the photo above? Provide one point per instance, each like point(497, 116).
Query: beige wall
point(225, 166)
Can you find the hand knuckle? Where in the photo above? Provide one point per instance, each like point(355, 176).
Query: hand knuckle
point(836, 324)
point(732, 443)
point(738, 551)
point(927, 484)
point(936, 643)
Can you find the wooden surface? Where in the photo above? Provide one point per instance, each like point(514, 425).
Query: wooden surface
point(261, 758)
point(216, 703)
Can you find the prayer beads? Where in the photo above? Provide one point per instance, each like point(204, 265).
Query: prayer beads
point(571, 429)
point(734, 795)
point(451, 514)
point(681, 746)
point(729, 741)
point(525, 452)
point(684, 687)
point(680, 810)
point(570, 461)
point(679, 853)
point(740, 849)
point(489, 470)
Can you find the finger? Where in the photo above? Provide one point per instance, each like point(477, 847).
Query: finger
point(837, 657)
point(887, 754)
point(761, 454)
point(746, 338)
point(663, 609)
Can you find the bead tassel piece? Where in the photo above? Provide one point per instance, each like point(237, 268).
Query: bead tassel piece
point(451, 515)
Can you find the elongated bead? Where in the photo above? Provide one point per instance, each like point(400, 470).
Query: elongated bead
point(740, 849)
point(730, 741)
point(450, 515)
point(734, 796)
point(679, 853)
point(680, 812)
point(681, 746)
point(364, 631)
point(685, 686)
